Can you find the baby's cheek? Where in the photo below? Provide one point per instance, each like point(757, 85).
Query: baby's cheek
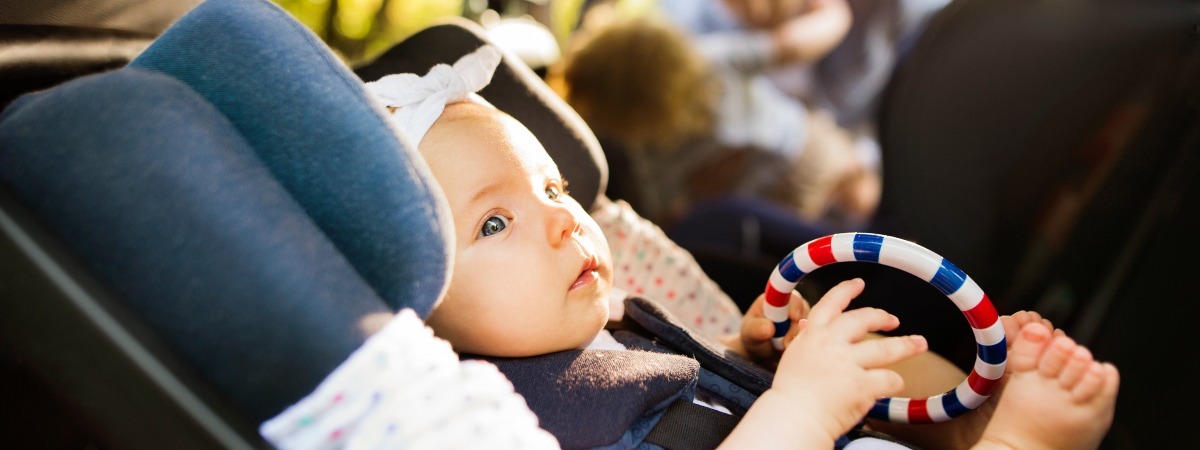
point(594, 232)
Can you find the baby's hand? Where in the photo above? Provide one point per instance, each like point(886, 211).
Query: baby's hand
point(830, 373)
point(755, 337)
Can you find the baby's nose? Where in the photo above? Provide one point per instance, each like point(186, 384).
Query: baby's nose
point(561, 224)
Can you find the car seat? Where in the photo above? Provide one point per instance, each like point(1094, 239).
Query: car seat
point(192, 242)
point(38, 56)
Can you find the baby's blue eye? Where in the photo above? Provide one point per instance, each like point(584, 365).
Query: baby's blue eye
point(493, 225)
point(555, 190)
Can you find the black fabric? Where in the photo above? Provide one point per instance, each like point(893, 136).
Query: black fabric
point(514, 89)
point(973, 166)
point(687, 426)
point(143, 16)
point(36, 57)
point(725, 363)
point(590, 398)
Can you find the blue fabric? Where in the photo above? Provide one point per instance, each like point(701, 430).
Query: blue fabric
point(600, 398)
point(310, 121)
point(677, 338)
point(156, 192)
point(732, 396)
point(635, 436)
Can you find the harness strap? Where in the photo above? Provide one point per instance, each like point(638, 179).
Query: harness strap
point(688, 426)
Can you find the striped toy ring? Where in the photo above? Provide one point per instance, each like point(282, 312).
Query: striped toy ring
point(991, 351)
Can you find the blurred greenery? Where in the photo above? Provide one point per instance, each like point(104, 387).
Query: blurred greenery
point(359, 30)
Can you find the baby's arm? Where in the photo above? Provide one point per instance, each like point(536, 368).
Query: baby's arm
point(810, 36)
point(802, 30)
point(829, 377)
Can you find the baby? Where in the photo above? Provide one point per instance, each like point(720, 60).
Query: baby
point(532, 275)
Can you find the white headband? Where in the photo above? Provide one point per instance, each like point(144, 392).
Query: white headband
point(420, 100)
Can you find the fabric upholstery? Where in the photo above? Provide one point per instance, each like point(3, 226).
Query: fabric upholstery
point(593, 398)
point(158, 194)
point(40, 56)
point(311, 123)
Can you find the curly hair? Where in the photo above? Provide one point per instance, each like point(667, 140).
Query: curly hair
point(640, 82)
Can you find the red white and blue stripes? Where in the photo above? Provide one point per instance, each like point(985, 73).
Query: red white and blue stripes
point(991, 349)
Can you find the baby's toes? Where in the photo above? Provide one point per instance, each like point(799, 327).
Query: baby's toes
point(1093, 381)
point(1055, 358)
point(1081, 358)
point(1027, 317)
point(1013, 324)
point(1112, 380)
point(1011, 329)
point(1033, 316)
point(1027, 348)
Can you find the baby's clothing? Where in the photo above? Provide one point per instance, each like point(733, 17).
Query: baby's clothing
point(405, 388)
point(646, 263)
point(602, 396)
point(594, 398)
point(604, 340)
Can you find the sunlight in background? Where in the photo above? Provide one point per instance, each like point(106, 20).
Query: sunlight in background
point(354, 18)
point(359, 30)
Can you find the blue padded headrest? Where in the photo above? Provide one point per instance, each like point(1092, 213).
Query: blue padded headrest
point(311, 122)
point(155, 191)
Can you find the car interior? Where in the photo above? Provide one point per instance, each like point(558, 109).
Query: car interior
point(196, 220)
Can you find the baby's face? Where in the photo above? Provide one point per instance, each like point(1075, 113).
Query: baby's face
point(532, 270)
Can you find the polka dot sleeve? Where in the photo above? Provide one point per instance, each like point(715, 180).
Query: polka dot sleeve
point(405, 388)
point(648, 264)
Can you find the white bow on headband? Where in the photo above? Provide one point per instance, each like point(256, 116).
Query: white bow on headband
point(420, 100)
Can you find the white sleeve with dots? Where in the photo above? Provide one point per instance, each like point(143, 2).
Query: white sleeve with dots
point(648, 264)
point(405, 388)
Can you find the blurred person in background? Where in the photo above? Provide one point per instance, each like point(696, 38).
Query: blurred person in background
point(684, 126)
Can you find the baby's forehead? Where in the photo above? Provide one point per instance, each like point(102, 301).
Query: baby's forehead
point(469, 110)
point(495, 131)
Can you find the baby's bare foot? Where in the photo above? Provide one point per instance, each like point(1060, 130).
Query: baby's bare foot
point(1013, 324)
point(1057, 396)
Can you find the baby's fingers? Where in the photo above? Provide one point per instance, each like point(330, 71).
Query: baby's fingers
point(886, 351)
point(835, 301)
point(794, 331)
point(756, 337)
point(757, 329)
point(884, 382)
point(853, 325)
point(797, 312)
point(797, 307)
